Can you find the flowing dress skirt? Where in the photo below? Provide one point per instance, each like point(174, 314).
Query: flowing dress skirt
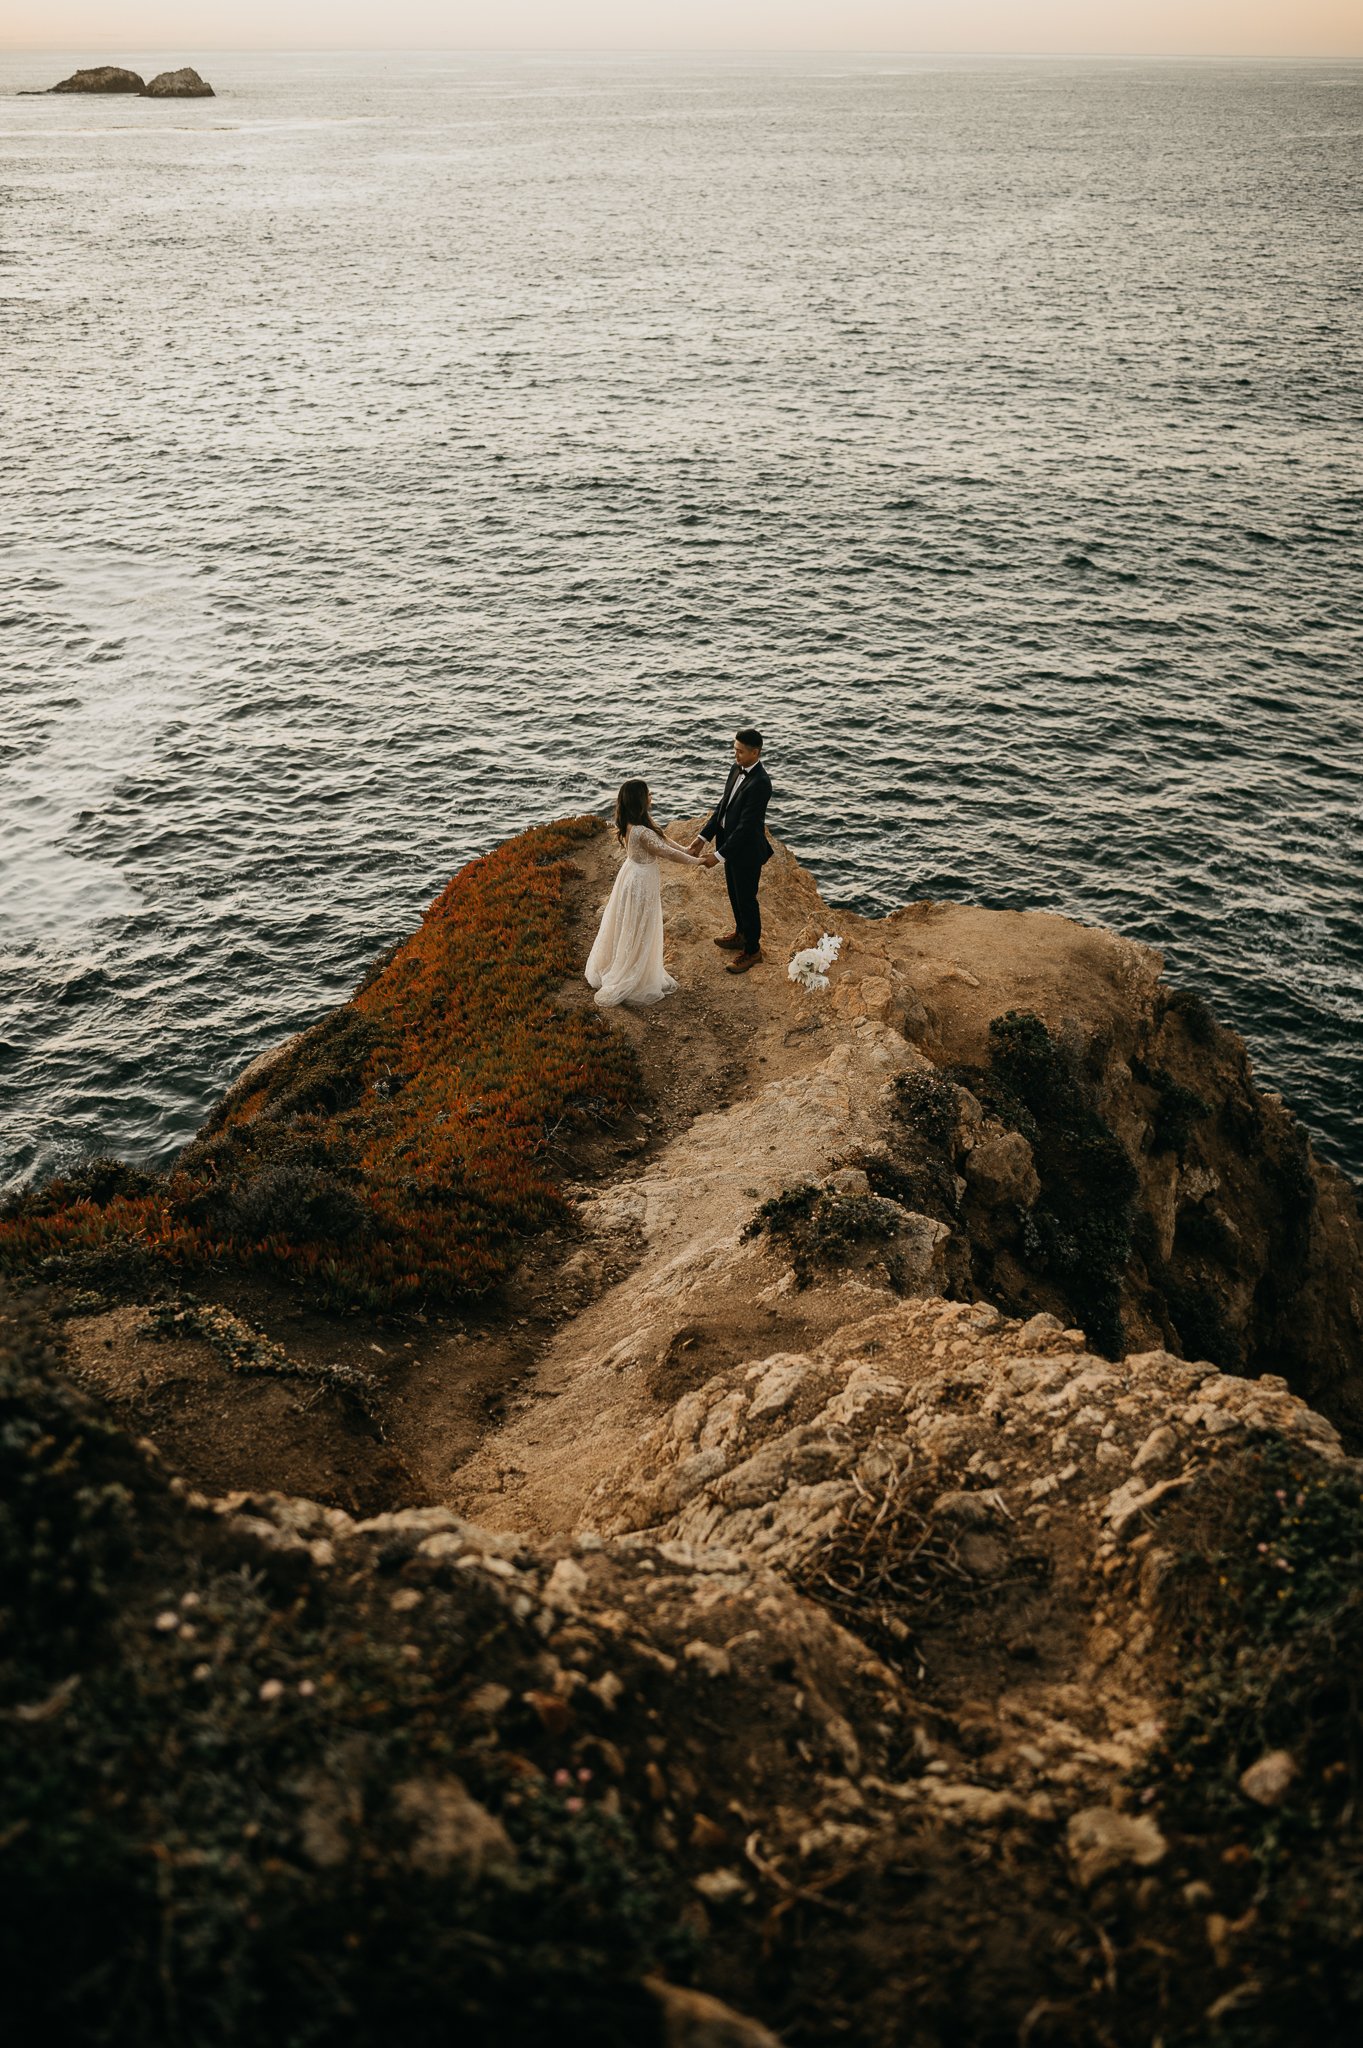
point(625, 964)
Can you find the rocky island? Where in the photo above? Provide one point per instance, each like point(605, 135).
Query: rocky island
point(184, 84)
point(798, 1515)
point(101, 78)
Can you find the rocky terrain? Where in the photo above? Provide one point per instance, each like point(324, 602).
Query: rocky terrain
point(101, 78)
point(883, 1568)
point(184, 84)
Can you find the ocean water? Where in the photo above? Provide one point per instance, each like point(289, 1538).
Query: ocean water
point(400, 450)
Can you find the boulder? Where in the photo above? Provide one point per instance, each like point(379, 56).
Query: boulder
point(1000, 1168)
point(101, 78)
point(184, 84)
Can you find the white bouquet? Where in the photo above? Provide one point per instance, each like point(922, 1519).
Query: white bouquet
point(810, 968)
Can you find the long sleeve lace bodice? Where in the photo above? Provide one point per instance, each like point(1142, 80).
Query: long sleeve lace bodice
point(643, 845)
point(626, 964)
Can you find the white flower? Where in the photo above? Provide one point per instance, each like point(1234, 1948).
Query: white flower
point(810, 968)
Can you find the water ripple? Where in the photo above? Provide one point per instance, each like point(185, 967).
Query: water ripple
point(399, 454)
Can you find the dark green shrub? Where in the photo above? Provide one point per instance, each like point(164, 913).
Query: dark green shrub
point(1177, 1109)
point(300, 1197)
point(930, 1103)
point(1194, 1013)
point(927, 1186)
point(821, 1226)
point(96, 1181)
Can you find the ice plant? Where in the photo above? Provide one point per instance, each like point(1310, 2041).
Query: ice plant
point(399, 1149)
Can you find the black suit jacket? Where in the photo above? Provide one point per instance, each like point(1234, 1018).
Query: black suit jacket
point(743, 837)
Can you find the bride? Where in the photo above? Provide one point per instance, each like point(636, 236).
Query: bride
point(625, 964)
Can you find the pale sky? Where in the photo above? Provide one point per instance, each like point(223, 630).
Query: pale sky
point(108, 29)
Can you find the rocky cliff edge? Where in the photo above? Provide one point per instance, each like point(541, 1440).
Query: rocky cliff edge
point(854, 1537)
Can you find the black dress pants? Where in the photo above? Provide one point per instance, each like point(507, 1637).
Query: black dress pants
point(742, 877)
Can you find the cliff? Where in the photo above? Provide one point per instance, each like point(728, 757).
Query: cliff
point(847, 1520)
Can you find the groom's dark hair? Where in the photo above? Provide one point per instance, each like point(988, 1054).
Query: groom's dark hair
point(749, 736)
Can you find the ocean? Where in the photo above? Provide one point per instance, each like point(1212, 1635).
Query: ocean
point(402, 449)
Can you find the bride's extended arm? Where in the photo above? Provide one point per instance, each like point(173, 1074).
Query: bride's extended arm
point(667, 849)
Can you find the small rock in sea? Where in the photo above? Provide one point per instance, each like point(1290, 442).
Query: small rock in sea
point(1267, 1780)
point(184, 84)
point(101, 78)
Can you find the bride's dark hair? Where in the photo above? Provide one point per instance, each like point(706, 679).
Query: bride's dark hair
point(631, 808)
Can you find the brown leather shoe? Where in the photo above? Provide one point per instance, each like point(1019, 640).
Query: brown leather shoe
point(744, 962)
point(730, 942)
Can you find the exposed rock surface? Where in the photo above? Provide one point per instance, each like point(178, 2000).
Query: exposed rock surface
point(883, 1678)
point(966, 1679)
point(184, 84)
point(101, 78)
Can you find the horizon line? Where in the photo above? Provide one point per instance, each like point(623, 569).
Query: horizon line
point(700, 50)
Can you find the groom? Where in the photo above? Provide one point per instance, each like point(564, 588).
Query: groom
point(735, 825)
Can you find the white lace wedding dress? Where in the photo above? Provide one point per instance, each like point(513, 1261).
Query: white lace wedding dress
point(625, 964)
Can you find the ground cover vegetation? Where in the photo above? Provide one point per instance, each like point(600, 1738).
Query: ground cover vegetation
point(235, 1806)
point(824, 1227)
point(243, 1797)
point(1261, 1607)
point(395, 1152)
